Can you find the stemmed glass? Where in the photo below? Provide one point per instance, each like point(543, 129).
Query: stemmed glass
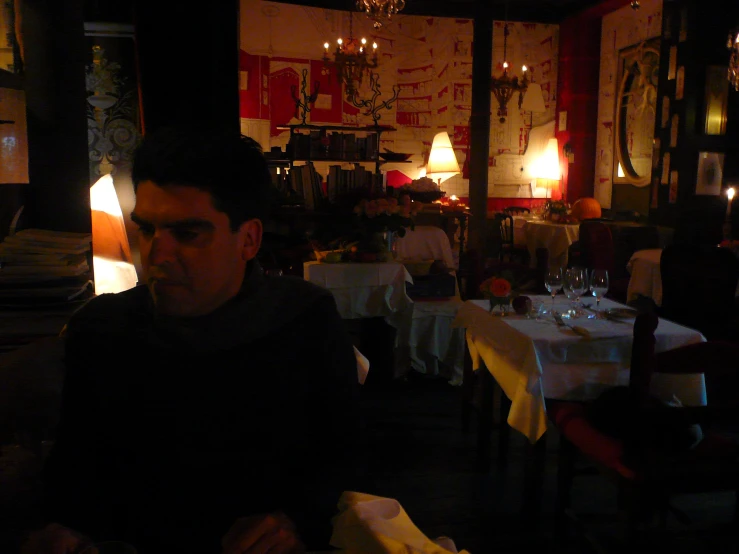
point(574, 285)
point(553, 282)
point(599, 285)
point(579, 285)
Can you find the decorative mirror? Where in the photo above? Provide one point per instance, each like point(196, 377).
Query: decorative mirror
point(636, 102)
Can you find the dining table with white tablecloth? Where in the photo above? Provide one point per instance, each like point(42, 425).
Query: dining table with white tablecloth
point(424, 334)
point(534, 359)
point(555, 237)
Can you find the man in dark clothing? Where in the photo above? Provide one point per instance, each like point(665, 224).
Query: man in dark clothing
point(214, 409)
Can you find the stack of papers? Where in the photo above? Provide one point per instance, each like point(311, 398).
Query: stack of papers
point(44, 264)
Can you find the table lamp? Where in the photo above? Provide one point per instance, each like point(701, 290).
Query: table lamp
point(111, 254)
point(546, 169)
point(442, 162)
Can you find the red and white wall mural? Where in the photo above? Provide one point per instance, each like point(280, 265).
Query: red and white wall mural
point(428, 58)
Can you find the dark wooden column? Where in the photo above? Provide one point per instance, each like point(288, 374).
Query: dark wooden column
point(482, 47)
point(188, 62)
point(54, 83)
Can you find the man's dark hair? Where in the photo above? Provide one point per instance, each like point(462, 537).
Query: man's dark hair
point(228, 165)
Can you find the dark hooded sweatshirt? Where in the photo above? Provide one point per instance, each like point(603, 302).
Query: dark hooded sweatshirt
point(172, 428)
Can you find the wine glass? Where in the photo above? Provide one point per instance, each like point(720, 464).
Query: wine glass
point(599, 285)
point(553, 282)
point(570, 286)
point(579, 285)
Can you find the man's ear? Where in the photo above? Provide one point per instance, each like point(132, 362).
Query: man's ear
point(251, 231)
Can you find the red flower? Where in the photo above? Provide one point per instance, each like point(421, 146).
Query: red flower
point(500, 287)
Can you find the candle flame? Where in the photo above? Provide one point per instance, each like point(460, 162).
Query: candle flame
point(730, 193)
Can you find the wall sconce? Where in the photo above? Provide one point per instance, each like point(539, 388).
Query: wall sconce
point(546, 169)
point(111, 254)
point(505, 86)
point(733, 45)
point(442, 162)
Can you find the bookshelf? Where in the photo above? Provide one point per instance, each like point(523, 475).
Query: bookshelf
point(336, 143)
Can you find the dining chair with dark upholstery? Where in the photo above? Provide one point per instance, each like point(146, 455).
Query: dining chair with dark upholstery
point(650, 450)
point(502, 240)
point(699, 285)
point(597, 251)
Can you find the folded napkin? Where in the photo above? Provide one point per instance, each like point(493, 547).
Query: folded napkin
point(601, 329)
point(370, 524)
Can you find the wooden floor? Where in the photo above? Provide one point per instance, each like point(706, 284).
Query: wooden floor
point(419, 456)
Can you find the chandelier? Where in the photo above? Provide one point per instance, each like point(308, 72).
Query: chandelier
point(505, 86)
point(733, 45)
point(351, 60)
point(380, 11)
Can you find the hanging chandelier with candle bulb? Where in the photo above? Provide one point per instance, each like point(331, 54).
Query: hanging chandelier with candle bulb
point(380, 11)
point(505, 86)
point(351, 59)
point(733, 45)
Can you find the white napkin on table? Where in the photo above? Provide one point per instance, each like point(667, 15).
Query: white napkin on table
point(370, 524)
point(592, 329)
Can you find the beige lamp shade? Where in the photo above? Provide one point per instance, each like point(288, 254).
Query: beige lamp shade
point(111, 254)
point(547, 166)
point(533, 100)
point(442, 162)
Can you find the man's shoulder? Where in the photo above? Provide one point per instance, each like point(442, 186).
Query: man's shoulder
point(109, 309)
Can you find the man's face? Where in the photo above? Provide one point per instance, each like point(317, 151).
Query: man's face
point(193, 263)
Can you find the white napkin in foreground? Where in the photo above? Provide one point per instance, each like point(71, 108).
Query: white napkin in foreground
point(370, 524)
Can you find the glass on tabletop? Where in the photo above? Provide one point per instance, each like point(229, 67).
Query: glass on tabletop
point(599, 285)
point(553, 282)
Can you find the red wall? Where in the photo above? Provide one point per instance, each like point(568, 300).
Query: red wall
point(579, 66)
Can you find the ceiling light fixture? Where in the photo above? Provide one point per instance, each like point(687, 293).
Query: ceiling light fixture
point(351, 60)
point(380, 11)
point(505, 86)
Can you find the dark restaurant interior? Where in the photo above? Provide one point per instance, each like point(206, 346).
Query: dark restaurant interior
point(479, 406)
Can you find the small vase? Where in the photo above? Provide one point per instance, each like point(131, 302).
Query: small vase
point(502, 304)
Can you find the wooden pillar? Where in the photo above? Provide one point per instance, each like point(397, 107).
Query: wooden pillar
point(54, 83)
point(482, 44)
point(188, 62)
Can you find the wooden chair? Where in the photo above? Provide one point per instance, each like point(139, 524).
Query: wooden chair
point(516, 210)
point(502, 240)
point(647, 475)
point(597, 251)
point(699, 286)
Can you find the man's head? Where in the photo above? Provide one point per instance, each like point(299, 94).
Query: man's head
point(200, 198)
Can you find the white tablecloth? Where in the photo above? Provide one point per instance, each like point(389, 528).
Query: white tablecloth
point(535, 359)
point(645, 279)
point(555, 237)
point(424, 336)
point(363, 290)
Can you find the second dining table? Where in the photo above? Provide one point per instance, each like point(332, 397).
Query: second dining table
point(555, 237)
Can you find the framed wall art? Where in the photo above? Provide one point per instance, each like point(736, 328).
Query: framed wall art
point(710, 173)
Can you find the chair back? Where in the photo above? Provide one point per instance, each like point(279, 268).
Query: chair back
point(596, 246)
point(717, 360)
point(699, 286)
point(504, 227)
point(516, 210)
